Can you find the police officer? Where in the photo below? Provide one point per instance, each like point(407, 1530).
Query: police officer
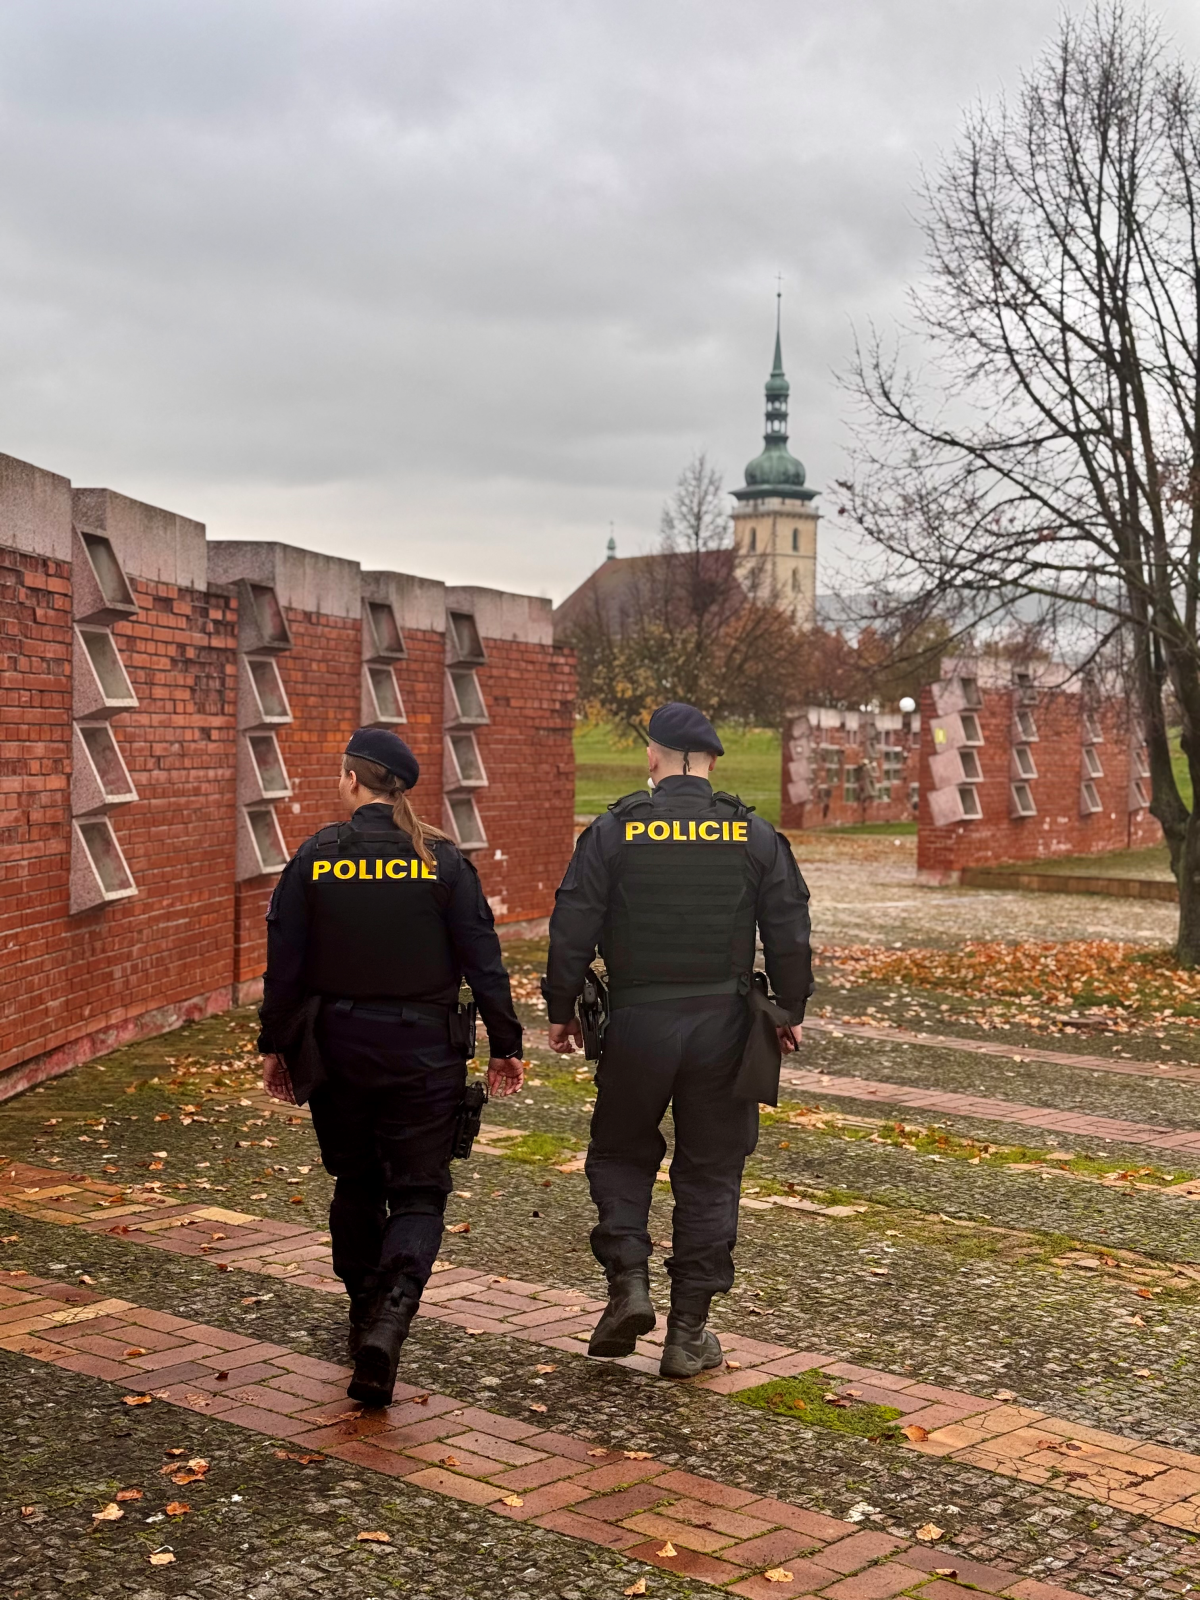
point(373, 925)
point(670, 886)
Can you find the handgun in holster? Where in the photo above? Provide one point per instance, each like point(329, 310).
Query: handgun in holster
point(468, 1120)
point(592, 1010)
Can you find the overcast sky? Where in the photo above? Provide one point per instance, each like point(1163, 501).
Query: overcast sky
point(449, 286)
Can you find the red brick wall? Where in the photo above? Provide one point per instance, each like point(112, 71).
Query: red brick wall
point(836, 811)
point(1058, 829)
point(99, 970)
point(528, 807)
point(35, 790)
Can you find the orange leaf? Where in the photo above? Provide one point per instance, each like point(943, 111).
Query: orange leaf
point(161, 1558)
point(460, 1227)
point(777, 1575)
point(129, 1494)
point(536, 1405)
point(177, 1508)
point(915, 1432)
point(137, 1399)
point(111, 1513)
point(136, 1350)
point(374, 1538)
point(930, 1532)
point(512, 1500)
point(636, 1588)
point(668, 1549)
point(636, 1455)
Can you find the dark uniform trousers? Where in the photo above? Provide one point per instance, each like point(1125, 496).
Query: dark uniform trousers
point(682, 1053)
point(385, 1123)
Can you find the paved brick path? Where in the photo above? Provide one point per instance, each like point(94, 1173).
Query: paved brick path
point(623, 1500)
point(977, 1105)
point(1014, 1441)
point(1007, 1051)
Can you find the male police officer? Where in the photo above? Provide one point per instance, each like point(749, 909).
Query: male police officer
point(670, 886)
point(372, 926)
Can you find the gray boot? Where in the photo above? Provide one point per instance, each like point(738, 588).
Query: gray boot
point(690, 1347)
point(629, 1312)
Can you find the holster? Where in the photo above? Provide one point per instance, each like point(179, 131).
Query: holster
point(470, 1116)
point(592, 1009)
point(758, 1073)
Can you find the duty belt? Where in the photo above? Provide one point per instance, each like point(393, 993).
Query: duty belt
point(402, 1010)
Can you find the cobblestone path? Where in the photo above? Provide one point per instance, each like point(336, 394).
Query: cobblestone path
point(1035, 1331)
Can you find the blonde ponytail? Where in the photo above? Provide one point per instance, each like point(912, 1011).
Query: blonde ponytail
point(389, 787)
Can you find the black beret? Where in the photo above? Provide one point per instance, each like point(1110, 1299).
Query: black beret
point(387, 750)
point(678, 726)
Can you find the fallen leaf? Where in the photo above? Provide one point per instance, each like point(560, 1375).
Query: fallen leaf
point(136, 1350)
point(512, 1500)
point(930, 1532)
point(111, 1513)
point(129, 1494)
point(177, 1508)
point(83, 1278)
point(636, 1455)
point(915, 1432)
point(460, 1227)
point(636, 1588)
point(222, 1377)
point(29, 1511)
point(667, 1550)
point(137, 1399)
point(1003, 1394)
point(946, 1572)
point(474, 1331)
point(375, 1538)
point(1145, 1294)
point(536, 1405)
point(161, 1558)
point(545, 1366)
point(173, 1453)
point(734, 1366)
point(296, 1200)
point(597, 1452)
point(10, 1238)
point(451, 1461)
point(1142, 1372)
point(777, 1575)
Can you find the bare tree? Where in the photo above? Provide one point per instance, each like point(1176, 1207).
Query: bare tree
point(689, 622)
point(1052, 446)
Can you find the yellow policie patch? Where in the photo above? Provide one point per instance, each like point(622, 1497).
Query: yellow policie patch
point(373, 871)
point(689, 832)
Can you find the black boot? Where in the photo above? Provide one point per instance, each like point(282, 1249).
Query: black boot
point(690, 1347)
point(378, 1351)
point(628, 1313)
point(363, 1306)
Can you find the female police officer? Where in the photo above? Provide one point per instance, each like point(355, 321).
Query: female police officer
point(372, 927)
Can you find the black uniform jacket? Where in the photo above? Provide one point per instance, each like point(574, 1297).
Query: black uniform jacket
point(473, 948)
point(582, 901)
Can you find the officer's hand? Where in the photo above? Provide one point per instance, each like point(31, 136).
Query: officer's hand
point(566, 1036)
point(277, 1080)
point(505, 1075)
point(789, 1038)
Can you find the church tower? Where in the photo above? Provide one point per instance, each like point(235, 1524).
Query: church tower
point(775, 523)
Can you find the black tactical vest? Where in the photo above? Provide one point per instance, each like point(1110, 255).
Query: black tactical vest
point(681, 910)
point(377, 918)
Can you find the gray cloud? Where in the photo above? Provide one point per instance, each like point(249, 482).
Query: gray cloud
point(450, 287)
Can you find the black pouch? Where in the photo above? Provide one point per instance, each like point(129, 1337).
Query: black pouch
point(463, 1027)
point(592, 1009)
point(470, 1115)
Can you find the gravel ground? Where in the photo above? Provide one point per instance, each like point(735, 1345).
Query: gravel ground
point(258, 1528)
point(1162, 1101)
point(286, 1541)
point(878, 902)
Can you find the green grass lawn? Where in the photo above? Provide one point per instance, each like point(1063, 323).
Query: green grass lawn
point(1152, 861)
point(606, 769)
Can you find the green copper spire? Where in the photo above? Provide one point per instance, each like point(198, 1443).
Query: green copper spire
point(776, 474)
